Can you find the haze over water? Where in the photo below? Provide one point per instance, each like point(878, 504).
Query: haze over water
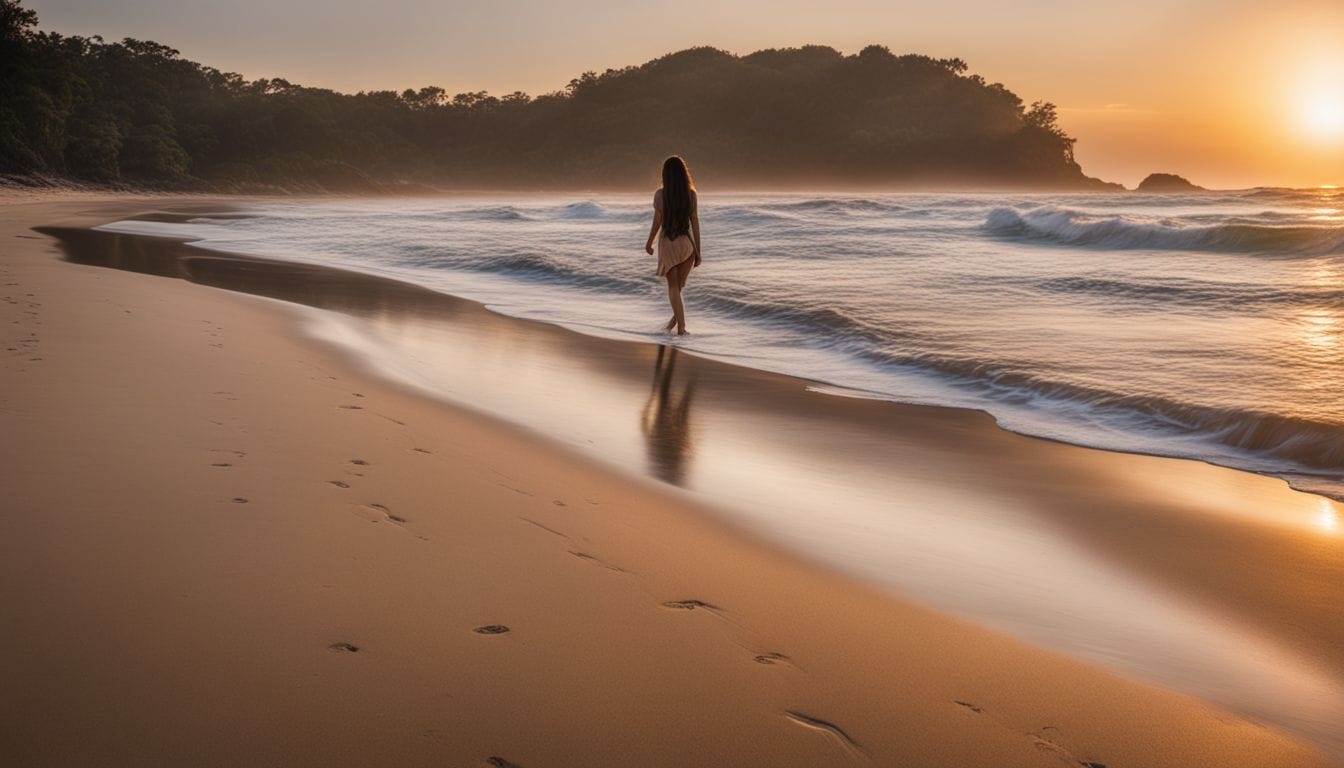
point(1206, 325)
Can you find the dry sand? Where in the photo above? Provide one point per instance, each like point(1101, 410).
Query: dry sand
point(223, 545)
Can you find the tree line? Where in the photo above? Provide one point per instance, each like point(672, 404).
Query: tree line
point(136, 112)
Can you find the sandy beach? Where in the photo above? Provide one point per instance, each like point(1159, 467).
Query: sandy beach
point(227, 544)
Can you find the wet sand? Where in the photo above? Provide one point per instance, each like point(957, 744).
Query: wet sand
point(227, 544)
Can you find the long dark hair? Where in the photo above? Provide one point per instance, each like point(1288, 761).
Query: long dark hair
point(677, 186)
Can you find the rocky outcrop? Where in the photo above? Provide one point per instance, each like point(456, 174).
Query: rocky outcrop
point(1167, 182)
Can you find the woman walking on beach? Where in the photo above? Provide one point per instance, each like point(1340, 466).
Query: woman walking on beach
point(675, 213)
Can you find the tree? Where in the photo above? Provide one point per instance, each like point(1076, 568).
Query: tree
point(136, 111)
point(1043, 115)
point(15, 22)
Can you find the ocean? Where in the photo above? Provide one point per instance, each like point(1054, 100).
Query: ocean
point(1207, 325)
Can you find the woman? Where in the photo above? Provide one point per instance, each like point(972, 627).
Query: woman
point(674, 212)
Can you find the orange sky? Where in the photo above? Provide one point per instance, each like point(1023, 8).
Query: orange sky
point(1230, 94)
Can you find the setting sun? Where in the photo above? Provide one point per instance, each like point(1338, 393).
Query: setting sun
point(1320, 102)
point(1324, 116)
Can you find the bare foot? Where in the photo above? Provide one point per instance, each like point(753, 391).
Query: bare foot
point(670, 324)
point(682, 332)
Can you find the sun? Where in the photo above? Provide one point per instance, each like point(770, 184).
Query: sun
point(1323, 116)
point(1320, 102)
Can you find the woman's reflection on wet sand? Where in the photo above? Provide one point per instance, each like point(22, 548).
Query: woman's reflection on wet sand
point(667, 420)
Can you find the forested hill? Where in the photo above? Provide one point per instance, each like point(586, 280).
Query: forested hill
point(137, 113)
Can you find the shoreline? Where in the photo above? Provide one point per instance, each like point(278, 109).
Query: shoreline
point(663, 579)
point(1044, 482)
point(1276, 442)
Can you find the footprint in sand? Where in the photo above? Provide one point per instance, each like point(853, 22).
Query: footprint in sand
point(837, 733)
point(239, 500)
point(491, 629)
point(772, 658)
point(376, 513)
point(689, 605)
point(383, 508)
point(499, 762)
point(1043, 744)
point(1038, 739)
point(339, 483)
point(359, 462)
point(343, 648)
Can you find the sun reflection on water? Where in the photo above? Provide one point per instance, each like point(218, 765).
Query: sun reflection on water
point(1320, 328)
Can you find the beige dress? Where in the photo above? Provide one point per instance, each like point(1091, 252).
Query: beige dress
point(672, 252)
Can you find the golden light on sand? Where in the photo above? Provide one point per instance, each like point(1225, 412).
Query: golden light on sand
point(1328, 518)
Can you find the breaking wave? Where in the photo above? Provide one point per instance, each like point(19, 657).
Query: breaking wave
point(1063, 226)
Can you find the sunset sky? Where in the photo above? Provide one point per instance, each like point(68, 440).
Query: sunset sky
point(1228, 93)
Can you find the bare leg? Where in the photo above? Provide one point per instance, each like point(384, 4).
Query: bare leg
point(678, 310)
point(676, 280)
